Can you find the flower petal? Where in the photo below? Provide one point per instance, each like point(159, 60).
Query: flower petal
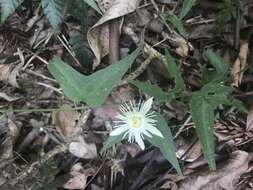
point(145, 132)
point(154, 130)
point(146, 106)
point(139, 140)
point(118, 131)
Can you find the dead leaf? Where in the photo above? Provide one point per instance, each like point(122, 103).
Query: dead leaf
point(5, 70)
point(224, 178)
point(98, 35)
point(81, 149)
point(7, 97)
point(186, 151)
point(239, 65)
point(79, 177)
point(182, 50)
point(249, 123)
point(11, 136)
point(65, 122)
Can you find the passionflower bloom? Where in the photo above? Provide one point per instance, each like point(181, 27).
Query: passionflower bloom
point(136, 121)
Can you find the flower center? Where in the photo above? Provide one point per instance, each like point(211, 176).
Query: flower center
point(136, 122)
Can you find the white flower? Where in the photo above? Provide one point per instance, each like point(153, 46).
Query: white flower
point(136, 121)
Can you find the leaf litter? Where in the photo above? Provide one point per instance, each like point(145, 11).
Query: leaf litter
point(58, 144)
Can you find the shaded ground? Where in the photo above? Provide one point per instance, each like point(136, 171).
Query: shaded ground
point(34, 142)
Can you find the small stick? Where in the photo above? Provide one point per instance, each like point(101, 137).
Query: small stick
point(114, 41)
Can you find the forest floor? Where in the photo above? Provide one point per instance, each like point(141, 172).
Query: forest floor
point(48, 141)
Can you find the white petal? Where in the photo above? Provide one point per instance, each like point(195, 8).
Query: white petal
point(139, 140)
point(145, 132)
point(120, 117)
point(118, 131)
point(154, 130)
point(146, 106)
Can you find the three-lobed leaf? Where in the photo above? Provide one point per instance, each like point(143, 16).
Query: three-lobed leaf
point(53, 10)
point(92, 89)
point(8, 7)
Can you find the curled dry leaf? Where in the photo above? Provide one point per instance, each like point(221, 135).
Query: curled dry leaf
point(98, 35)
point(239, 65)
point(249, 123)
point(11, 136)
point(5, 70)
point(224, 178)
point(9, 73)
point(79, 177)
point(81, 149)
point(182, 49)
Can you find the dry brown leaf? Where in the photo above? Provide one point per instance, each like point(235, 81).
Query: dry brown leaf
point(7, 97)
point(5, 70)
point(182, 50)
point(65, 122)
point(10, 139)
point(224, 178)
point(81, 149)
point(79, 177)
point(249, 123)
point(9, 73)
point(239, 65)
point(186, 154)
point(98, 35)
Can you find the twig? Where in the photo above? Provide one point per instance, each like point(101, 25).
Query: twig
point(137, 72)
point(114, 41)
point(27, 172)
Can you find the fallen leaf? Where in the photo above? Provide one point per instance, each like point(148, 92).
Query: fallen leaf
point(65, 122)
point(239, 65)
point(81, 149)
point(7, 97)
point(79, 177)
point(182, 50)
point(224, 178)
point(5, 70)
point(249, 123)
point(188, 152)
point(98, 35)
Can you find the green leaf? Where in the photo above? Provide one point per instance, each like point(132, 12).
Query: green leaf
point(153, 90)
point(174, 71)
point(238, 105)
point(94, 5)
point(218, 62)
point(53, 10)
point(203, 117)
point(177, 23)
point(165, 144)
point(187, 5)
point(215, 88)
point(92, 89)
point(8, 7)
point(112, 140)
